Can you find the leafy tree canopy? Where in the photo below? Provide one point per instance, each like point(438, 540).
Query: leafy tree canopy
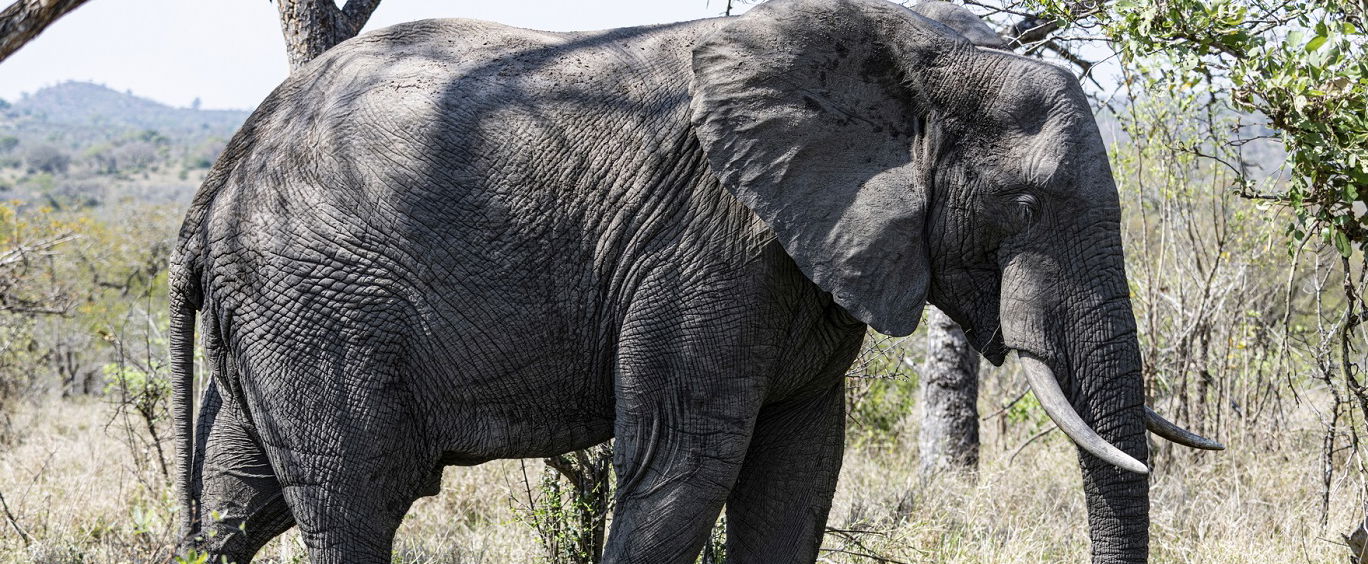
point(1300, 65)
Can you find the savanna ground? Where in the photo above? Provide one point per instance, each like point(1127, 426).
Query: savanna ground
point(74, 487)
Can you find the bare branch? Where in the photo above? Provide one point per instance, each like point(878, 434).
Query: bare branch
point(25, 19)
point(355, 14)
point(1084, 65)
point(314, 26)
point(9, 516)
point(1038, 27)
point(1028, 442)
point(19, 253)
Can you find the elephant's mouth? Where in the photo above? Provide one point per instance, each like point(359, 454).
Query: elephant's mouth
point(989, 343)
point(984, 332)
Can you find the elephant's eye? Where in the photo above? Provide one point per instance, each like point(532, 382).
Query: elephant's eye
point(1026, 209)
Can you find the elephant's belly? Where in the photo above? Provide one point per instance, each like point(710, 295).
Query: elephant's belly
point(528, 386)
point(481, 433)
point(574, 437)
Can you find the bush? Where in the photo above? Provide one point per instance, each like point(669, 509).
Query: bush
point(48, 159)
point(570, 511)
point(881, 389)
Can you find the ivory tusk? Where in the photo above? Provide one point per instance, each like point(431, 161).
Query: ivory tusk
point(1166, 429)
point(1046, 389)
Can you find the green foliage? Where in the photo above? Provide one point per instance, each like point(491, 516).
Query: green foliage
point(144, 391)
point(1301, 64)
point(878, 409)
point(81, 307)
point(881, 390)
point(1314, 88)
point(1027, 412)
point(192, 557)
point(570, 510)
point(554, 519)
point(30, 289)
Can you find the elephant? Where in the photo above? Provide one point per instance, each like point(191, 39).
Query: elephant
point(450, 241)
point(961, 20)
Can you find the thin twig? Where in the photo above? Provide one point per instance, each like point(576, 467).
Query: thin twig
point(1006, 407)
point(9, 516)
point(1028, 442)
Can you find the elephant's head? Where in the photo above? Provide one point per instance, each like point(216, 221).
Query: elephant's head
point(897, 163)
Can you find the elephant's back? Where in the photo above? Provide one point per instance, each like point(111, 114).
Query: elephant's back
point(448, 178)
point(440, 195)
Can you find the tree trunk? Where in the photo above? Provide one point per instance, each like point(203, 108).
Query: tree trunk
point(314, 26)
point(25, 19)
point(949, 382)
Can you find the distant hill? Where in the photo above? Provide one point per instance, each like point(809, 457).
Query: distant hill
point(93, 105)
point(84, 142)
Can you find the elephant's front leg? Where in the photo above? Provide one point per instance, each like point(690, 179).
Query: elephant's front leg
point(778, 509)
point(684, 420)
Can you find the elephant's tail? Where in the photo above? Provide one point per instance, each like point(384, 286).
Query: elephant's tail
point(187, 298)
point(182, 336)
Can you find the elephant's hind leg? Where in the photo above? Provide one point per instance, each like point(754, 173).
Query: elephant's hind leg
point(778, 509)
point(242, 507)
point(351, 460)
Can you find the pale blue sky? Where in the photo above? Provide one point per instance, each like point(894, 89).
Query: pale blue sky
point(229, 53)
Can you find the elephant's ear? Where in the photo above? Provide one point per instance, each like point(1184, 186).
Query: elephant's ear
point(811, 113)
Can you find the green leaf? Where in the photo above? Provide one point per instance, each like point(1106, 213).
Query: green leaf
point(1342, 243)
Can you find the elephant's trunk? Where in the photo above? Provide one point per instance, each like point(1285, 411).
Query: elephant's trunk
point(1070, 321)
point(1109, 396)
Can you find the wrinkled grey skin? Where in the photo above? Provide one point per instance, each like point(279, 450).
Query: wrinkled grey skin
point(450, 241)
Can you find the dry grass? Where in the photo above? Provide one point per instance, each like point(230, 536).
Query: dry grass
point(1242, 506)
point(71, 484)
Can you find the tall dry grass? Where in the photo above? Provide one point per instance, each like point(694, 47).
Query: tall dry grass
point(71, 486)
